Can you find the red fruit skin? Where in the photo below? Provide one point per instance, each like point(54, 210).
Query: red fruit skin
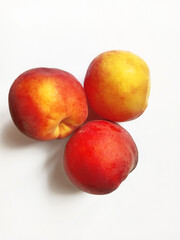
point(99, 156)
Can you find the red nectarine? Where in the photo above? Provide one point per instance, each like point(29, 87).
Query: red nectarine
point(99, 156)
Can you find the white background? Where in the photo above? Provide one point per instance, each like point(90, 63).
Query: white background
point(36, 199)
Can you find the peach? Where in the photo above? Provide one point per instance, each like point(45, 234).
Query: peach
point(99, 156)
point(117, 85)
point(47, 103)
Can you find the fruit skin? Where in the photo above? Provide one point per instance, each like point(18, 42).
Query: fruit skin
point(99, 156)
point(47, 103)
point(117, 85)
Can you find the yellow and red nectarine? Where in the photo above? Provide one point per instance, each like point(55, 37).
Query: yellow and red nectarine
point(117, 85)
point(47, 103)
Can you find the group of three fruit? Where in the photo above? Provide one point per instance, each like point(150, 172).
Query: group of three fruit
point(47, 104)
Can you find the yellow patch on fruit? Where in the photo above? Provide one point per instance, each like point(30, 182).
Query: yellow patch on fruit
point(47, 96)
point(48, 100)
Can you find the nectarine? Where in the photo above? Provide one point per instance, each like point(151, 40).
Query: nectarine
point(47, 103)
point(99, 156)
point(117, 85)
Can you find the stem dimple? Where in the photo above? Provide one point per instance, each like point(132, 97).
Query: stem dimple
point(64, 128)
